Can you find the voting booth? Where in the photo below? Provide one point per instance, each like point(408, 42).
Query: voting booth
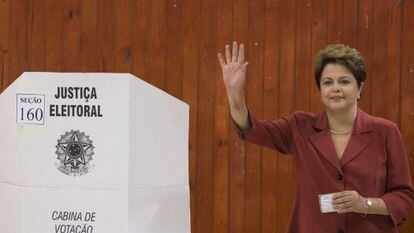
point(92, 153)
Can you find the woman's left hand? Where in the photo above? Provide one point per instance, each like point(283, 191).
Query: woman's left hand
point(349, 201)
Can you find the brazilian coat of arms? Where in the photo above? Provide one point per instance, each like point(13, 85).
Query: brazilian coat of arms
point(74, 153)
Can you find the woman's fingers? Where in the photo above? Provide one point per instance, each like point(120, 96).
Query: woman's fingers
point(344, 206)
point(348, 201)
point(234, 52)
point(221, 60)
point(235, 55)
point(240, 57)
point(343, 194)
point(345, 210)
point(341, 200)
point(228, 58)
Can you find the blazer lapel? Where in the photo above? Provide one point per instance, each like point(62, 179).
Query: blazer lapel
point(321, 140)
point(360, 138)
point(323, 143)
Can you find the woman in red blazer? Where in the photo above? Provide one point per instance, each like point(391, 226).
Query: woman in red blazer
point(352, 169)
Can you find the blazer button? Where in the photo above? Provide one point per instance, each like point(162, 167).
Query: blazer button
point(340, 176)
point(341, 231)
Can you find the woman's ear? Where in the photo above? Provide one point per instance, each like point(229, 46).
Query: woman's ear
point(360, 90)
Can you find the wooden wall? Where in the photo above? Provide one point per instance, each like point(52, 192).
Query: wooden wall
point(235, 187)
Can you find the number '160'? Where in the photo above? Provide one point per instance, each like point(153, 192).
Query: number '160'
point(32, 114)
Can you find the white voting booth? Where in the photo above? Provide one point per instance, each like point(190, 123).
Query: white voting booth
point(92, 153)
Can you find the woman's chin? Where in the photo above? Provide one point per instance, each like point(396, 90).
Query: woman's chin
point(337, 107)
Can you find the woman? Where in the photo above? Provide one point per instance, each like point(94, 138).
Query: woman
point(358, 160)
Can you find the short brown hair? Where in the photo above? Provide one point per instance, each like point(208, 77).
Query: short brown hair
point(340, 54)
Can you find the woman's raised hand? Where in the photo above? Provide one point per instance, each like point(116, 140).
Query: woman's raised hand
point(233, 68)
point(234, 76)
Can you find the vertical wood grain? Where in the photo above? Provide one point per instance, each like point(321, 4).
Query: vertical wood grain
point(270, 189)
point(206, 102)
point(235, 187)
point(407, 92)
point(141, 48)
point(124, 12)
point(350, 23)
point(71, 35)
point(253, 193)
point(90, 52)
point(174, 49)
point(19, 41)
point(379, 47)
point(106, 16)
point(237, 148)
point(4, 36)
point(365, 34)
point(54, 35)
point(318, 42)
point(221, 125)
point(335, 21)
point(304, 81)
point(393, 74)
point(286, 106)
point(39, 38)
point(191, 48)
point(158, 35)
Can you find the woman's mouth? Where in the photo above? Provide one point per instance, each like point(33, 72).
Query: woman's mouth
point(336, 98)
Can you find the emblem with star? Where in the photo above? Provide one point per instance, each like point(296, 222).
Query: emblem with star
point(74, 150)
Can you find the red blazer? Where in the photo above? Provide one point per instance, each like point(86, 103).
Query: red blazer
point(374, 164)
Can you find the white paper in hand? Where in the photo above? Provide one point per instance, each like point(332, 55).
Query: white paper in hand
point(325, 202)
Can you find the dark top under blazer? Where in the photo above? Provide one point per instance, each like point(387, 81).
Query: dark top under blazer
point(374, 164)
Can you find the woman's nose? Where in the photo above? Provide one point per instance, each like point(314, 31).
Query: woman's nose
point(336, 87)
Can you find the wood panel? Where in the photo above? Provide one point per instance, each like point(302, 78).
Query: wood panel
point(89, 46)
point(270, 188)
point(318, 41)
point(303, 49)
point(16, 59)
point(158, 35)
point(141, 46)
point(54, 35)
point(206, 118)
point(364, 29)
point(222, 126)
point(235, 187)
point(106, 43)
point(174, 50)
point(191, 30)
point(253, 178)
point(335, 21)
point(237, 149)
point(350, 23)
point(286, 105)
point(71, 35)
point(393, 72)
point(4, 36)
point(406, 100)
point(124, 17)
point(379, 48)
point(39, 22)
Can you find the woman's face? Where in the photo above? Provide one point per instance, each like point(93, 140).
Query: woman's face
point(339, 88)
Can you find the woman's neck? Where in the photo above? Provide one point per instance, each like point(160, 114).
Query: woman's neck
point(342, 121)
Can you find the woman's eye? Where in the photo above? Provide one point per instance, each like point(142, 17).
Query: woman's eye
point(327, 83)
point(345, 81)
